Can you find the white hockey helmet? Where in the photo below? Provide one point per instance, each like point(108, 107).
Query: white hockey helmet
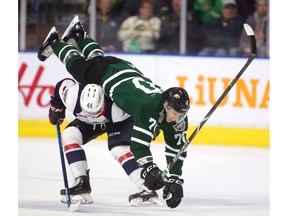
point(92, 99)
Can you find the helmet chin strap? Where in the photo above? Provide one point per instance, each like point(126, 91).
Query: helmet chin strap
point(166, 106)
point(166, 109)
point(103, 111)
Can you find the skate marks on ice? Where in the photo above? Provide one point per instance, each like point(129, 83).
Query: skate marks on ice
point(218, 181)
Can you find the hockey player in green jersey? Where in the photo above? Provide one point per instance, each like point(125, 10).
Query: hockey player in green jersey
point(151, 108)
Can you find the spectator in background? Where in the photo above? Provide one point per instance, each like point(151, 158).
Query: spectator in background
point(107, 25)
point(170, 32)
point(160, 5)
point(207, 9)
point(246, 7)
point(259, 22)
point(130, 7)
point(140, 33)
point(222, 34)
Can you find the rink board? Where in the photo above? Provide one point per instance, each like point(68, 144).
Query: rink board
point(242, 118)
point(256, 137)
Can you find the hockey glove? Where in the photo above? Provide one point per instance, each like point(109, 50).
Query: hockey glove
point(173, 192)
point(56, 111)
point(152, 176)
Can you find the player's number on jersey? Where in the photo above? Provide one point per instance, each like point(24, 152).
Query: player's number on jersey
point(180, 137)
point(147, 87)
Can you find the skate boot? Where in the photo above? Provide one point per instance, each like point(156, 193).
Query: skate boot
point(74, 31)
point(81, 189)
point(46, 50)
point(144, 198)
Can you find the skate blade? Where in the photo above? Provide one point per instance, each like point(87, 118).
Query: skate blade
point(138, 202)
point(83, 198)
point(72, 23)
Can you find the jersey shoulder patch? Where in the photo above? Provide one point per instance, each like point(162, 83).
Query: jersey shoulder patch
point(180, 126)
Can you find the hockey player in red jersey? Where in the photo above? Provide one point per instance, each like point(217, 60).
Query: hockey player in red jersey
point(95, 115)
point(151, 107)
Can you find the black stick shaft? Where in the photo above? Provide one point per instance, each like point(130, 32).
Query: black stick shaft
point(253, 50)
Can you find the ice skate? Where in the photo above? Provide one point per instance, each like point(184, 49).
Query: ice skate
point(46, 50)
point(74, 31)
point(80, 190)
point(144, 198)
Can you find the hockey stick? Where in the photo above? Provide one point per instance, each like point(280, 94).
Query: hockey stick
point(253, 50)
point(71, 206)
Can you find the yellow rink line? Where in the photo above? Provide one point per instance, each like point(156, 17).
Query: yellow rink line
point(254, 137)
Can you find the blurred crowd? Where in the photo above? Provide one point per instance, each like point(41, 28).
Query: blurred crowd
point(214, 27)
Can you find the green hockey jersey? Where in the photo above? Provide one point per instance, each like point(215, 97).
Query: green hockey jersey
point(136, 95)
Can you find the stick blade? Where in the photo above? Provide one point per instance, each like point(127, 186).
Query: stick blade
point(249, 31)
point(74, 206)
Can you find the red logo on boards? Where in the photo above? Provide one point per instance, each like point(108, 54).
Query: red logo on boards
point(28, 91)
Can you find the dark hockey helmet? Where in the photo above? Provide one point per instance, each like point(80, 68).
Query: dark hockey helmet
point(178, 99)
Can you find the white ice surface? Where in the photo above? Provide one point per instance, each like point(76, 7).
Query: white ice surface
point(219, 181)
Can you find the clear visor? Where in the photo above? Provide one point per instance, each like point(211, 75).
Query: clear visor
point(182, 116)
point(173, 115)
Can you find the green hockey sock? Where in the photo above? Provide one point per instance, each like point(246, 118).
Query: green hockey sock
point(66, 53)
point(89, 48)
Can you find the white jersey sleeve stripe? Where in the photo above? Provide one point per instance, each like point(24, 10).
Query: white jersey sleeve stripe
point(173, 149)
point(118, 74)
point(143, 131)
point(116, 84)
point(139, 141)
point(175, 175)
point(145, 160)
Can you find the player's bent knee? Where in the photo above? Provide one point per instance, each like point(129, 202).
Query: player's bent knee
point(119, 152)
point(72, 135)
